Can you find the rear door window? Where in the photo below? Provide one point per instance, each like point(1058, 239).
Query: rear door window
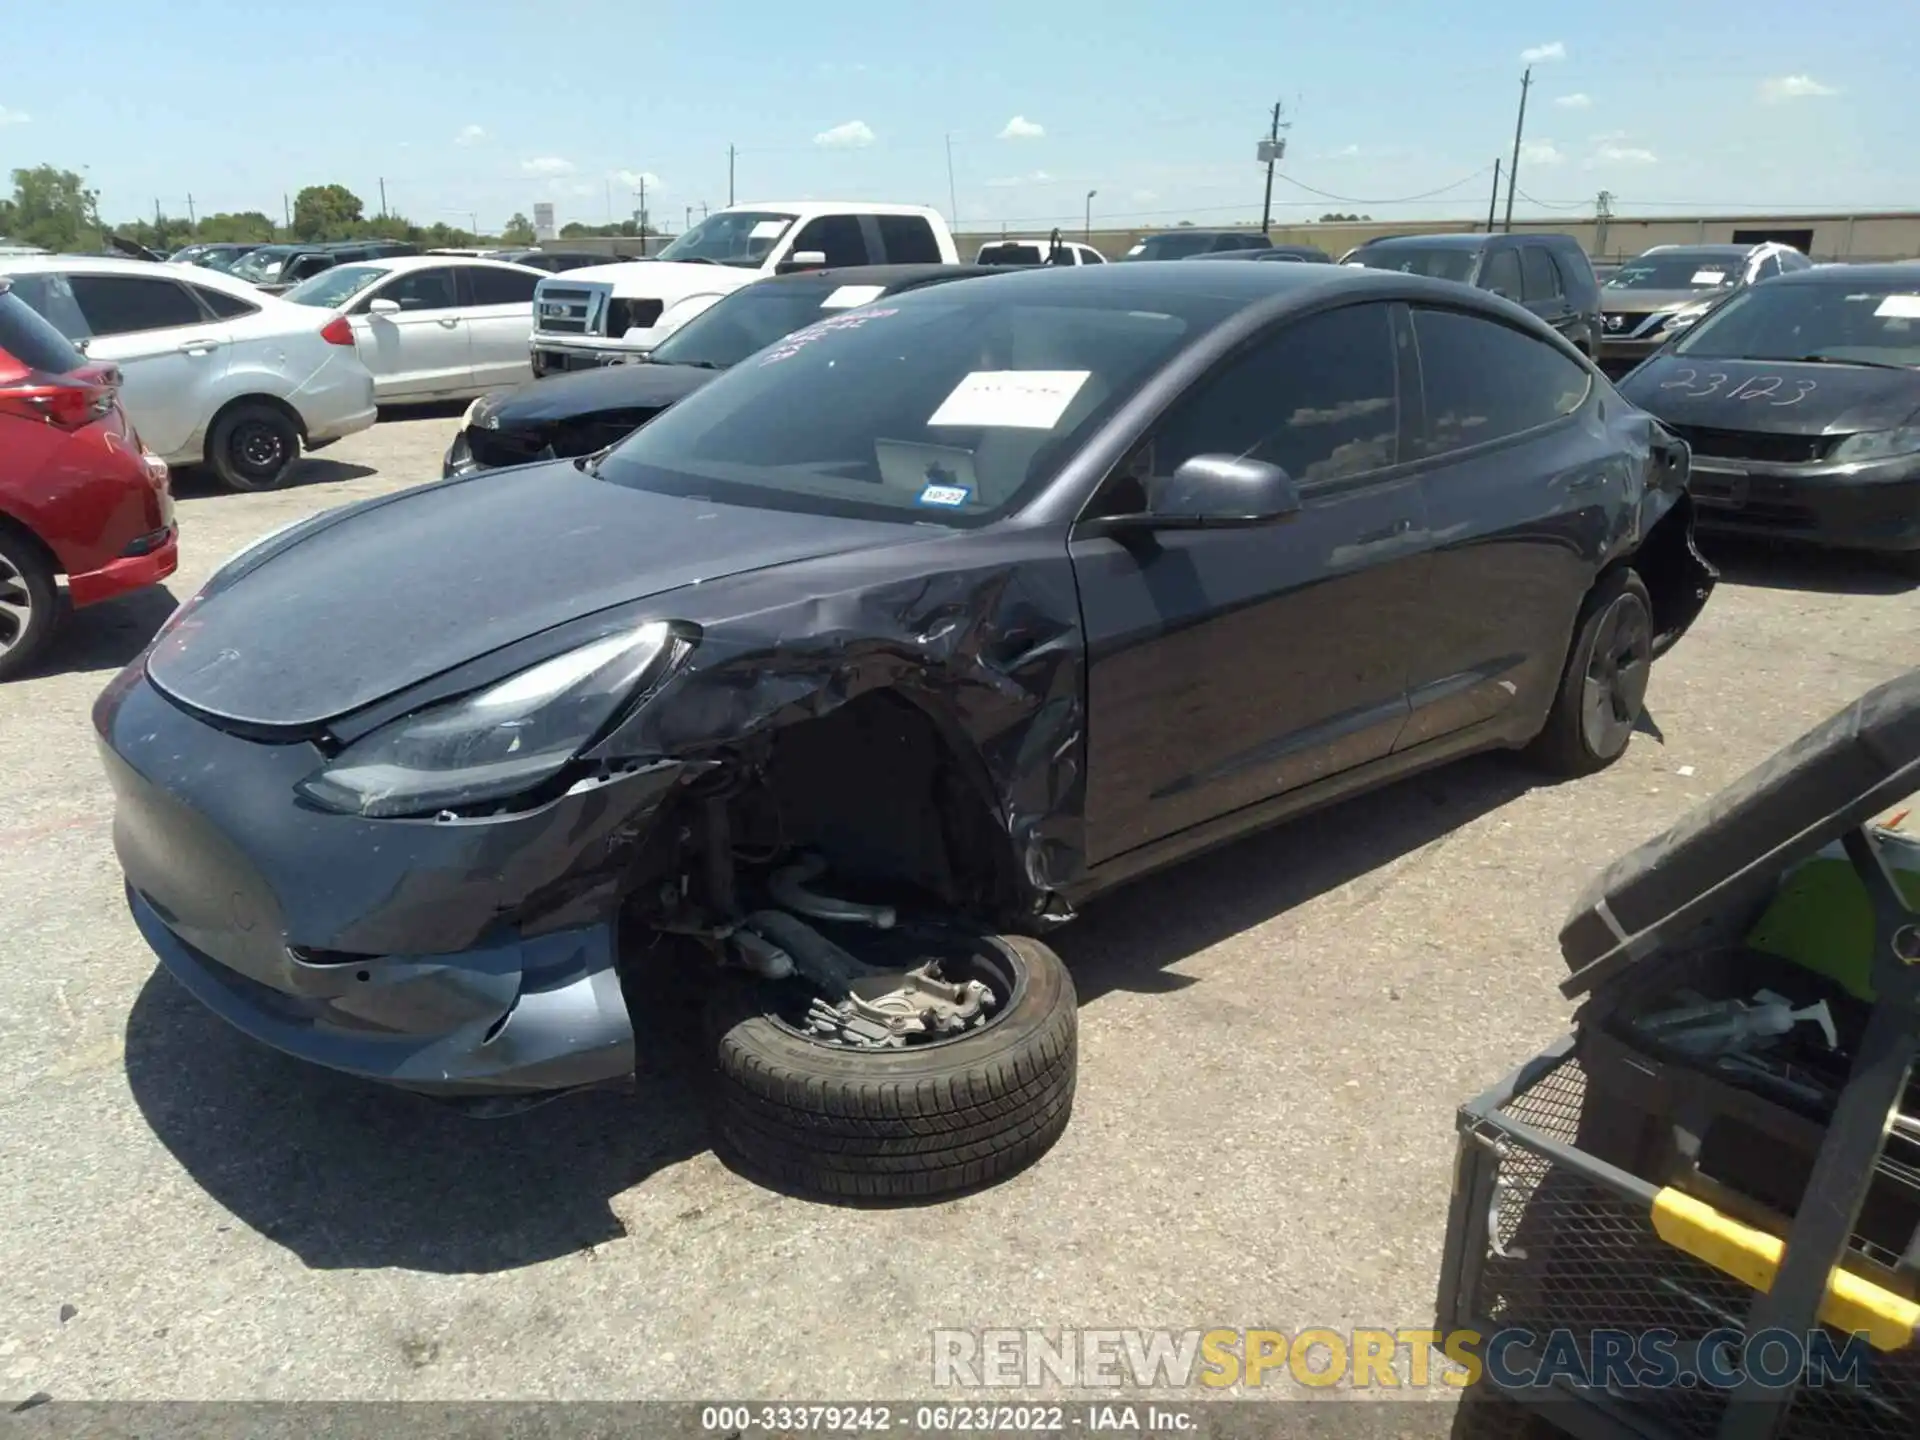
point(1541, 280)
point(499, 287)
point(908, 240)
point(127, 304)
point(1501, 274)
point(1485, 381)
point(418, 290)
point(223, 305)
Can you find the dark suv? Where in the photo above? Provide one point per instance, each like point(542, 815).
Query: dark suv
point(1549, 274)
point(1185, 244)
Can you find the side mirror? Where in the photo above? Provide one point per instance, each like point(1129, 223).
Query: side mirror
point(383, 307)
point(802, 260)
point(1209, 490)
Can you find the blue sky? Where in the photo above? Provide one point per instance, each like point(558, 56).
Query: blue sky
point(485, 108)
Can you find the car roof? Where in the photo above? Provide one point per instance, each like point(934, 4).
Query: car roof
point(1895, 272)
point(1727, 251)
point(1140, 286)
point(1450, 241)
point(1189, 230)
point(399, 263)
point(858, 207)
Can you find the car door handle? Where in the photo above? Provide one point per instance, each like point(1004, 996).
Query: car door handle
point(449, 324)
point(199, 347)
point(1402, 526)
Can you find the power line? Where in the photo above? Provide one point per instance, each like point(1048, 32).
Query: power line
point(1402, 200)
point(1556, 204)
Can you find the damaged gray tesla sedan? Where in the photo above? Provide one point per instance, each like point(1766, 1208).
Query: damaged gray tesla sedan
point(854, 671)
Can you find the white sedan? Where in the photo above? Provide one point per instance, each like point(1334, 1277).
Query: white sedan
point(211, 371)
point(432, 327)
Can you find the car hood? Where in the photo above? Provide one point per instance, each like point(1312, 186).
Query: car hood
point(589, 392)
point(1824, 399)
point(667, 280)
point(394, 593)
point(1652, 302)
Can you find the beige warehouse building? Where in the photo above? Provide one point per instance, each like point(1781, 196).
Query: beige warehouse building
point(1876, 235)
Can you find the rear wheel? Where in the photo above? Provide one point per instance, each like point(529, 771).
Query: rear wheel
point(253, 446)
point(807, 1102)
point(29, 603)
point(1604, 687)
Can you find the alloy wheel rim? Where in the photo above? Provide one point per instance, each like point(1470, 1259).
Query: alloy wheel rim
point(16, 605)
point(1618, 669)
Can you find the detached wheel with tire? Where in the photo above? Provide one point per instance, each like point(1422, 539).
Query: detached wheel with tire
point(29, 603)
point(1604, 687)
point(253, 446)
point(815, 1110)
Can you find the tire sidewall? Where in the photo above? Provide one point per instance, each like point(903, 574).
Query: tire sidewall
point(1610, 591)
point(1047, 989)
point(219, 447)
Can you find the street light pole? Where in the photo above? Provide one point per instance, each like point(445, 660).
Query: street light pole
point(1089, 227)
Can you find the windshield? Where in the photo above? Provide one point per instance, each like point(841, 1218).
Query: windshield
point(1010, 252)
point(733, 237)
point(222, 260)
point(259, 264)
point(1678, 270)
point(752, 319)
point(334, 287)
point(1170, 247)
point(1439, 262)
point(949, 405)
point(1880, 324)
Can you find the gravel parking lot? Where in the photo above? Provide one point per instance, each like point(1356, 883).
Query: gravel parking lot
point(1274, 1039)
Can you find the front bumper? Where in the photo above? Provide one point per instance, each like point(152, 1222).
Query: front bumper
point(1617, 357)
point(472, 957)
point(1854, 507)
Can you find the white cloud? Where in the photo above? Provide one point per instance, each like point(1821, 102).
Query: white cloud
point(470, 135)
point(1143, 197)
point(1038, 177)
point(1541, 152)
point(13, 117)
point(849, 136)
point(633, 179)
point(1021, 128)
point(1552, 50)
point(1606, 137)
point(1792, 87)
point(546, 165)
point(1575, 101)
point(1346, 152)
point(1611, 154)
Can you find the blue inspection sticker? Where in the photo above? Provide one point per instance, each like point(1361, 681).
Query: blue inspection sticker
point(947, 495)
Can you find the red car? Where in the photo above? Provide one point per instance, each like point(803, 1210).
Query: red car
point(79, 495)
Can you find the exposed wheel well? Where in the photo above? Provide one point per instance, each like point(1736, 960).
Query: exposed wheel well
point(1668, 567)
point(272, 402)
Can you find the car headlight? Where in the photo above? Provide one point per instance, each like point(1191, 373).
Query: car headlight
point(1681, 319)
point(497, 743)
point(1878, 444)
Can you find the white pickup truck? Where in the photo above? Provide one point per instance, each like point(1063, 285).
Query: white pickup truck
point(606, 314)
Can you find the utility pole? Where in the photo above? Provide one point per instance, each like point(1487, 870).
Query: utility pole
point(286, 209)
point(1271, 152)
point(191, 222)
point(953, 205)
point(640, 215)
point(1602, 213)
point(383, 197)
point(1493, 200)
point(687, 224)
point(729, 174)
point(1519, 126)
point(703, 209)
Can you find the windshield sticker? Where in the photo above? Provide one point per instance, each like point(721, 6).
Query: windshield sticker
point(947, 496)
point(847, 296)
point(1011, 399)
point(800, 339)
point(1899, 307)
point(768, 229)
point(1769, 388)
point(1138, 248)
point(1709, 277)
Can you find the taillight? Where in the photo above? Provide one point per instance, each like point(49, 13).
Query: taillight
point(70, 404)
point(337, 331)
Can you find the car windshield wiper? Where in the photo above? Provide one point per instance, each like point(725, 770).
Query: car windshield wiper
point(1846, 360)
point(694, 364)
